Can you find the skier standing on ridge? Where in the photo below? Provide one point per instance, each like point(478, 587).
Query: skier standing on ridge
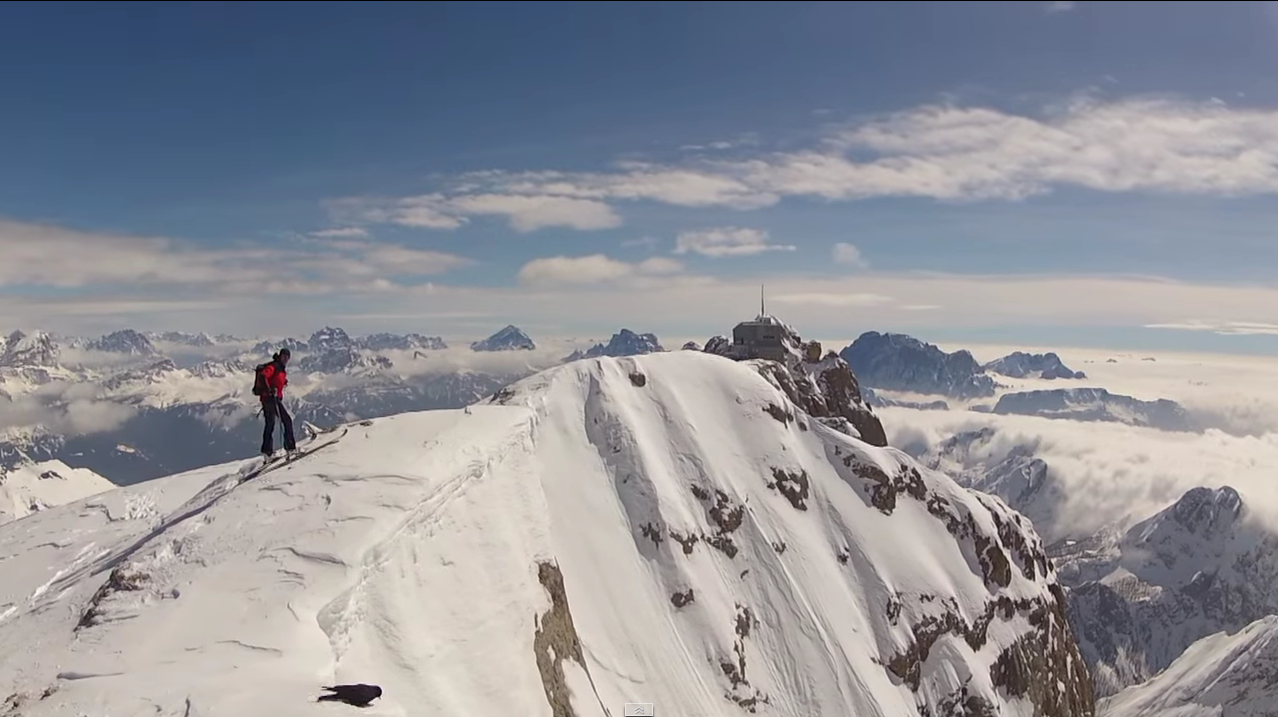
point(268, 385)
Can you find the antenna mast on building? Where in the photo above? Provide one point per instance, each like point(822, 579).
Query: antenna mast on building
point(763, 311)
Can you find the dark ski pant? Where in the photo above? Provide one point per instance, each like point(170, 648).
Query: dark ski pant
point(272, 409)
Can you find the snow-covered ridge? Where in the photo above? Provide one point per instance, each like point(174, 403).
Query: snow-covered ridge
point(1222, 675)
point(32, 487)
point(667, 528)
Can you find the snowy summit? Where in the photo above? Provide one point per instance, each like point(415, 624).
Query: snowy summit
point(667, 529)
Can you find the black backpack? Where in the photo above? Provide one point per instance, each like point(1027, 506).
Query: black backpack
point(259, 381)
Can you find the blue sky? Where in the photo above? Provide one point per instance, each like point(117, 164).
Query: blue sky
point(1013, 171)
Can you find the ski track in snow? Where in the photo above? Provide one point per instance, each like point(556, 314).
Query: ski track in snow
point(408, 555)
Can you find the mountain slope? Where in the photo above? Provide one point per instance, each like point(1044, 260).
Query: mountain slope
point(1202, 565)
point(665, 529)
point(1222, 675)
point(31, 487)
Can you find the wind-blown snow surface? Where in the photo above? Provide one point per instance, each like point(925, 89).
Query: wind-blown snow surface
point(664, 529)
point(32, 487)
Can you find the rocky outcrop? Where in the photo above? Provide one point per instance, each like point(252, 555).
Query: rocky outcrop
point(823, 385)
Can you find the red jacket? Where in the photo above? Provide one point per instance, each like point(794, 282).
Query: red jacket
point(276, 378)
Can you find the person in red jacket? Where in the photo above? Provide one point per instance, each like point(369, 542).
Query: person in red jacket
point(275, 376)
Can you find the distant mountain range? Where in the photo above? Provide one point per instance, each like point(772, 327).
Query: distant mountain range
point(143, 415)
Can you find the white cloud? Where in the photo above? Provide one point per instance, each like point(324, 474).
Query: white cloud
point(726, 241)
point(120, 269)
point(59, 408)
point(592, 269)
point(558, 270)
point(959, 153)
point(1113, 472)
point(1060, 6)
point(525, 212)
point(833, 299)
point(647, 242)
point(659, 265)
point(529, 213)
point(341, 233)
point(694, 186)
point(52, 256)
point(1224, 328)
point(390, 259)
point(847, 254)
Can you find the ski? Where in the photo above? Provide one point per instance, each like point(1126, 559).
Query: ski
point(274, 462)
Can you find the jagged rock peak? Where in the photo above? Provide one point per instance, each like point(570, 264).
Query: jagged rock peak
point(126, 341)
point(623, 343)
point(1020, 364)
point(329, 339)
point(903, 363)
point(35, 350)
point(509, 338)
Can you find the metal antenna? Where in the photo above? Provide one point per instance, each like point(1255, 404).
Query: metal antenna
point(763, 311)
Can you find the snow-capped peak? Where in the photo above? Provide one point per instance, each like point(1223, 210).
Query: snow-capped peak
point(35, 350)
point(623, 343)
point(663, 529)
point(404, 342)
point(1020, 364)
point(1192, 533)
point(329, 339)
point(509, 338)
point(186, 338)
point(127, 341)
